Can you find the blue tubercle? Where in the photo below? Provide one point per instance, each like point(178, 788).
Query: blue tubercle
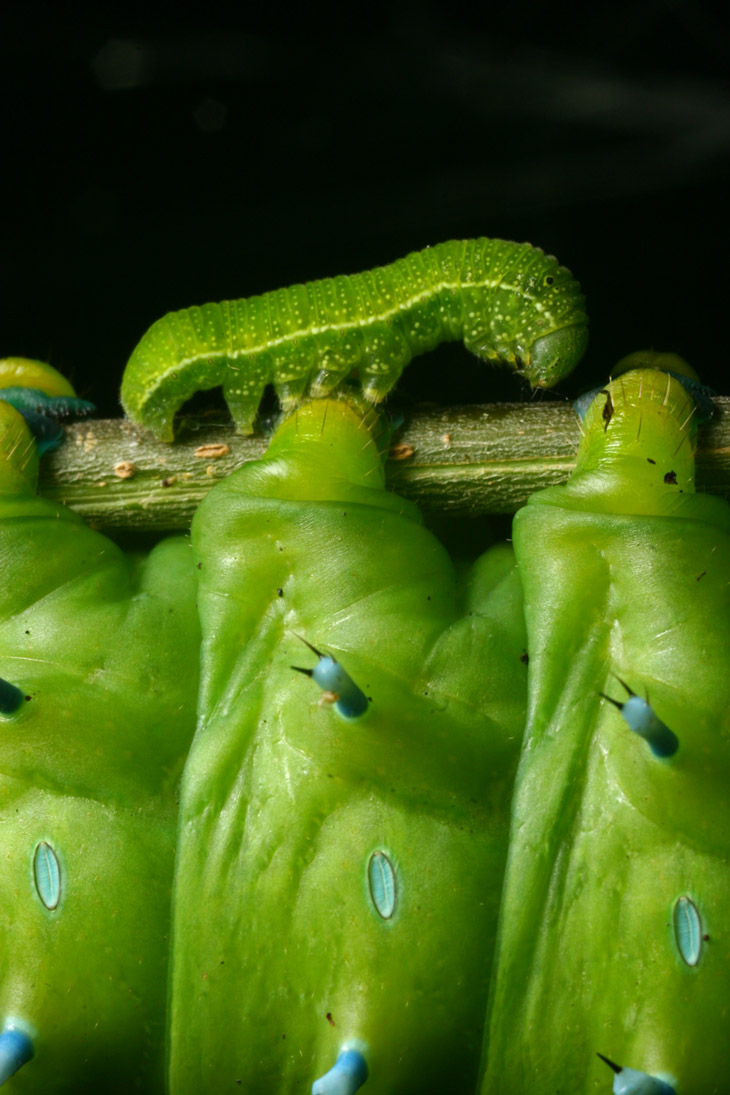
point(16, 1049)
point(629, 1081)
point(41, 412)
point(583, 402)
point(349, 700)
point(11, 697)
point(54, 406)
point(701, 394)
point(639, 716)
point(47, 432)
point(347, 1075)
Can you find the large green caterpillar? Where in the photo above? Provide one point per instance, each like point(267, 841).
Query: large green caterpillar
point(507, 301)
point(612, 938)
point(98, 685)
point(339, 865)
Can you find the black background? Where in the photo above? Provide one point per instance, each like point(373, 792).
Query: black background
point(157, 158)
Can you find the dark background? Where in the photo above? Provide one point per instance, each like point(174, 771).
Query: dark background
point(155, 158)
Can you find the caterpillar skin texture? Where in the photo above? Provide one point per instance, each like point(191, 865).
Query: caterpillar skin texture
point(105, 648)
point(508, 302)
point(338, 879)
point(612, 927)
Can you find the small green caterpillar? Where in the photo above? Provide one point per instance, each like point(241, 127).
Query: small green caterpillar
point(508, 302)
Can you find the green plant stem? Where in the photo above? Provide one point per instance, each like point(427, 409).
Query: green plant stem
point(465, 461)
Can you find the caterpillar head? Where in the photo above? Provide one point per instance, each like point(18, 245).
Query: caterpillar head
point(551, 352)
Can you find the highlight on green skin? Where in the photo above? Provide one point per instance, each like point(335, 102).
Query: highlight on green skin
point(617, 889)
point(508, 302)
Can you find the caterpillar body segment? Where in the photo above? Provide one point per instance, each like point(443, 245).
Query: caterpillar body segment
point(316, 929)
point(619, 872)
point(98, 685)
